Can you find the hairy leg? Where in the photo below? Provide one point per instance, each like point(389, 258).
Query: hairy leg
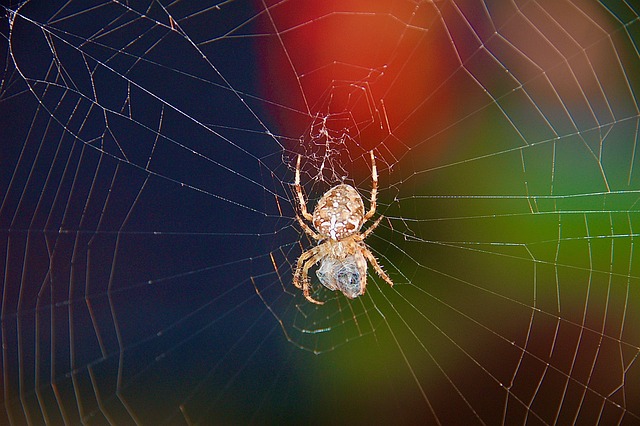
point(301, 202)
point(306, 228)
point(372, 260)
point(300, 276)
point(366, 233)
point(305, 273)
point(374, 188)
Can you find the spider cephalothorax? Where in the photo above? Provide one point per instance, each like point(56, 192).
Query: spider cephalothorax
point(341, 250)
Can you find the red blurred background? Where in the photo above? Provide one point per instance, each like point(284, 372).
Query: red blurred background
point(356, 72)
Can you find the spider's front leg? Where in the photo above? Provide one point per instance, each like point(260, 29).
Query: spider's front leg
point(366, 233)
point(301, 201)
point(308, 229)
point(374, 188)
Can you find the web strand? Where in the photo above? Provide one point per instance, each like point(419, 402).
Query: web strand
point(149, 202)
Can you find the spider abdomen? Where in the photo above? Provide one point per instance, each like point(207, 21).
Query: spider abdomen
point(339, 213)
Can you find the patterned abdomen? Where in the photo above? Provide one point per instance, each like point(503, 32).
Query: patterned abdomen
point(339, 213)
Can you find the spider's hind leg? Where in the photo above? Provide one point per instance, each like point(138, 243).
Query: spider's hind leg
point(372, 260)
point(301, 274)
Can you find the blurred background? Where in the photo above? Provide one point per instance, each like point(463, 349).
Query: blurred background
point(148, 220)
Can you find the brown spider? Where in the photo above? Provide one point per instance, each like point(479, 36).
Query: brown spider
point(337, 218)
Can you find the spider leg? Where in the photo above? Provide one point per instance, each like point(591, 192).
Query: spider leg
point(372, 260)
point(297, 275)
point(366, 233)
point(374, 188)
point(301, 202)
point(301, 277)
point(306, 228)
point(305, 273)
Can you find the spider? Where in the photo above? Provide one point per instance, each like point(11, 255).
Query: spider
point(337, 218)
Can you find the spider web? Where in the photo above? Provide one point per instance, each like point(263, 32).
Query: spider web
point(149, 230)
